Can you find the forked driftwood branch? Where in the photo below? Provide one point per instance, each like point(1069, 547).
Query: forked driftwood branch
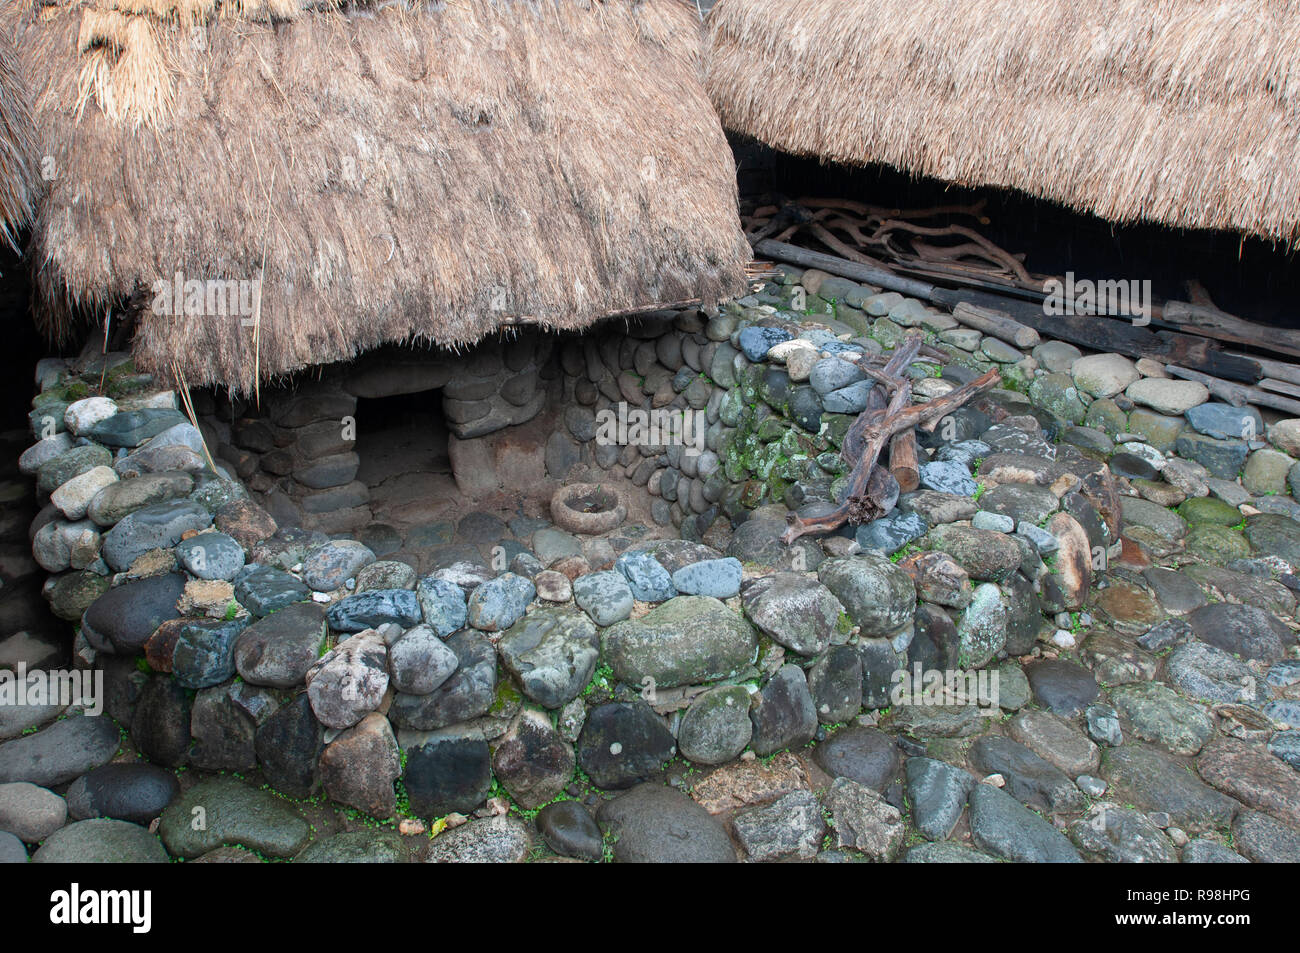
point(889, 418)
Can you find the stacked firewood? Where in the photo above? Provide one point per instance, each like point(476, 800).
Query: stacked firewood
point(939, 254)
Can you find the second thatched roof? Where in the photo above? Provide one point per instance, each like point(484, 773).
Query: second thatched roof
point(1182, 112)
point(423, 172)
point(18, 161)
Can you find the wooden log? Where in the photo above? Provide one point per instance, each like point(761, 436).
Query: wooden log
point(1089, 331)
point(1208, 320)
point(903, 461)
point(1236, 394)
point(997, 324)
point(1278, 370)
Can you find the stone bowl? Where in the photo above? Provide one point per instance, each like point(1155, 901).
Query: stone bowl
point(588, 509)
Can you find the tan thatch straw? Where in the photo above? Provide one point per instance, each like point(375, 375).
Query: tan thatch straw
point(1175, 111)
point(18, 162)
point(440, 170)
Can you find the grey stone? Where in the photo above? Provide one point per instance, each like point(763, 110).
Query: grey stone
point(685, 641)
point(233, 813)
point(419, 661)
point(656, 824)
point(605, 596)
point(938, 793)
point(159, 526)
point(783, 713)
point(101, 841)
point(716, 728)
point(791, 826)
point(552, 653)
point(1005, 828)
point(60, 752)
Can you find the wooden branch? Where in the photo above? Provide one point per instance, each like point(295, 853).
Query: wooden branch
point(1009, 261)
point(877, 428)
point(830, 241)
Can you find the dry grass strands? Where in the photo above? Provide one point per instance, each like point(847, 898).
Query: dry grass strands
point(1175, 111)
point(18, 160)
point(440, 171)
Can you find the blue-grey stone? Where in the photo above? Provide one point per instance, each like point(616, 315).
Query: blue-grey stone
point(373, 608)
point(1286, 746)
point(132, 428)
point(1285, 712)
point(947, 477)
point(997, 522)
point(12, 850)
point(160, 526)
point(848, 400)
point(1042, 540)
point(1284, 673)
point(964, 452)
point(497, 604)
point(755, 342)
point(605, 596)
point(1223, 458)
point(938, 794)
point(330, 565)
point(442, 603)
point(211, 556)
point(1003, 826)
point(648, 579)
point(264, 589)
point(719, 578)
point(1225, 422)
point(205, 652)
point(891, 533)
point(832, 374)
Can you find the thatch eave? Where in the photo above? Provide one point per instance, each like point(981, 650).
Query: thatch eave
point(1180, 112)
point(391, 173)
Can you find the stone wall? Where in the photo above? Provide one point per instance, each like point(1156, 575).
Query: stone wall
point(295, 445)
point(1031, 551)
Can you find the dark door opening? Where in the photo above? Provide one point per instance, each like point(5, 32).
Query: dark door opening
point(401, 435)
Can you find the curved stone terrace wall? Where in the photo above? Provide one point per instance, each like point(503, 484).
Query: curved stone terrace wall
point(1020, 661)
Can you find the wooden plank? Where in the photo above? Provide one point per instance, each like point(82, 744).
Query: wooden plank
point(1280, 387)
point(1210, 321)
point(1236, 394)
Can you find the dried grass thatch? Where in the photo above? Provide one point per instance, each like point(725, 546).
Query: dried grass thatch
point(18, 164)
point(392, 172)
point(1176, 111)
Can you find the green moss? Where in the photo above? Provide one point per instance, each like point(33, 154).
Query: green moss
point(506, 696)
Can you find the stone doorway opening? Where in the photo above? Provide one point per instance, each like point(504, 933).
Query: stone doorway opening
point(401, 434)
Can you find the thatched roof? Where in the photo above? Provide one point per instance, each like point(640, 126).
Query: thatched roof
point(393, 171)
point(1175, 111)
point(18, 164)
